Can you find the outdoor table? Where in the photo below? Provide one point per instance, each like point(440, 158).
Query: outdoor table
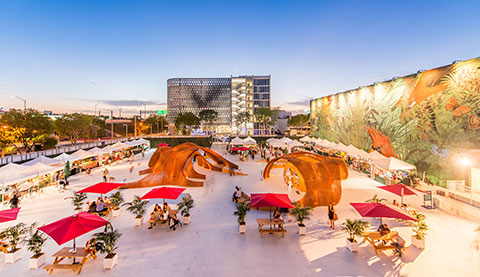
point(270, 222)
point(371, 237)
point(66, 252)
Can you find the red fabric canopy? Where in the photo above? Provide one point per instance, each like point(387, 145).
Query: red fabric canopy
point(162, 144)
point(381, 210)
point(101, 188)
point(73, 226)
point(397, 189)
point(163, 192)
point(280, 200)
point(8, 215)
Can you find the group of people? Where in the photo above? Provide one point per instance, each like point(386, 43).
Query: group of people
point(160, 214)
point(398, 241)
point(99, 206)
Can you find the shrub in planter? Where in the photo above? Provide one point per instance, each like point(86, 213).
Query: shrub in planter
point(116, 200)
point(242, 209)
point(14, 236)
point(109, 238)
point(301, 214)
point(185, 206)
point(354, 228)
point(138, 208)
point(420, 229)
point(34, 245)
point(77, 200)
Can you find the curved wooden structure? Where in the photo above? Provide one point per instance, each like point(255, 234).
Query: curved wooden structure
point(174, 166)
point(318, 176)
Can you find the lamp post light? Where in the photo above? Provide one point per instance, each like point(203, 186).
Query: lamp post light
point(21, 99)
point(126, 130)
point(95, 112)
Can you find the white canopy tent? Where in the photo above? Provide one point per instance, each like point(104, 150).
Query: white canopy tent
point(82, 154)
point(120, 146)
point(133, 143)
point(143, 141)
point(97, 151)
point(340, 147)
point(12, 172)
point(65, 157)
point(392, 163)
point(285, 140)
point(43, 160)
point(278, 144)
point(374, 155)
point(295, 143)
point(249, 141)
point(271, 139)
point(237, 141)
point(307, 139)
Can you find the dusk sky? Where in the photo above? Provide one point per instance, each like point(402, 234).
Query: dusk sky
point(69, 55)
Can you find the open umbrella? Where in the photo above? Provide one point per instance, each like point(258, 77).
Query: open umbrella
point(163, 192)
point(8, 215)
point(71, 227)
point(270, 200)
point(381, 210)
point(102, 188)
point(162, 145)
point(399, 189)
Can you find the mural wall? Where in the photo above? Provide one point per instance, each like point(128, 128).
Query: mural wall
point(430, 119)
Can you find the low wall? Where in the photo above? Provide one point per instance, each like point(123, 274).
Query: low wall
point(176, 140)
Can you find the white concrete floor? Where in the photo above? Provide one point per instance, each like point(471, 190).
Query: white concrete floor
point(211, 245)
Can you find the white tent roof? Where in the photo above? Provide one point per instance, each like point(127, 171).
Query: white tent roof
point(41, 159)
point(278, 143)
point(82, 154)
point(375, 155)
point(143, 141)
point(237, 141)
point(392, 163)
point(133, 142)
point(307, 139)
point(295, 143)
point(120, 146)
point(97, 151)
point(340, 147)
point(271, 139)
point(65, 157)
point(40, 169)
point(285, 140)
point(12, 172)
point(249, 141)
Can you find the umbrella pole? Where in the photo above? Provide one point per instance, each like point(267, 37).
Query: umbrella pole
point(270, 216)
point(74, 249)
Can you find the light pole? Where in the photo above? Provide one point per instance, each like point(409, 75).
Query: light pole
point(95, 112)
point(21, 99)
point(126, 130)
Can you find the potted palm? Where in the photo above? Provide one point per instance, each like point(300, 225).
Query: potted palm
point(77, 200)
point(116, 200)
point(109, 238)
point(375, 199)
point(354, 228)
point(14, 236)
point(301, 214)
point(137, 207)
point(34, 244)
point(420, 229)
point(241, 213)
point(184, 207)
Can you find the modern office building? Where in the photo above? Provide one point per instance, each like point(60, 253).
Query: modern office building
point(228, 96)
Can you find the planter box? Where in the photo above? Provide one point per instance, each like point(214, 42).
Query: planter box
point(35, 263)
point(138, 221)
point(116, 213)
point(186, 219)
point(352, 246)
point(10, 258)
point(242, 228)
point(418, 243)
point(109, 263)
point(302, 230)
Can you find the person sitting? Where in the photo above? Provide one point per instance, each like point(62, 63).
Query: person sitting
point(399, 243)
point(101, 207)
point(383, 229)
point(151, 220)
point(236, 195)
point(173, 221)
point(166, 208)
point(93, 207)
point(93, 245)
point(277, 217)
point(395, 203)
point(157, 212)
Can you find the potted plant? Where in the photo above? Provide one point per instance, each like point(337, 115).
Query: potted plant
point(420, 229)
point(375, 199)
point(301, 214)
point(137, 207)
point(109, 238)
point(354, 228)
point(14, 236)
point(184, 207)
point(241, 213)
point(116, 200)
point(34, 244)
point(77, 200)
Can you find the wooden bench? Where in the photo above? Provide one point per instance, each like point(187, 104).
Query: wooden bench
point(371, 237)
point(163, 221)
point(75, 267)
point(270, 222)
point(271, 231)
point(4, 249)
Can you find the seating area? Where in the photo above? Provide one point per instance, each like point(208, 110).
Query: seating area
point(381, 242)
point(69, 253)
point(272, 226)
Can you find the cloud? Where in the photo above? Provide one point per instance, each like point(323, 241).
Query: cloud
point(305, 102)
point(129, 103)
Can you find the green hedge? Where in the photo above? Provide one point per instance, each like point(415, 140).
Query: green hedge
point(174, 141)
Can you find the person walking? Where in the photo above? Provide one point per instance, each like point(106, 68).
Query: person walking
point(332, 216)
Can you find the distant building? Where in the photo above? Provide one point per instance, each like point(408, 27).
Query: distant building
point(228, 96)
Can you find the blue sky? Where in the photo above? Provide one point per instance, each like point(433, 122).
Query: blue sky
point(69, 55)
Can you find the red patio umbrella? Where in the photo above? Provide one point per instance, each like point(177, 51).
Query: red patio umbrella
point(162, 144)
point(381, 210)
point(399, 189)
point(8, 215)
point(102, 188)
point(163, 192)
point(270, 200)
point(243, 148)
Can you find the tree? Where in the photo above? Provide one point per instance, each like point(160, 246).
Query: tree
point(24, 127)
point(156, 119)
point(375, 199)
point(73, 126)
point(186, 122)
point(242, 118)
point(208, 116)
point(298, 120)
point(266, 116)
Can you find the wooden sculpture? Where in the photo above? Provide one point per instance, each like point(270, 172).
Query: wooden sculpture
point(318, 176)
point(175, 166)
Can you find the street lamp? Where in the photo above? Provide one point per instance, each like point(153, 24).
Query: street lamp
point(95, 113)
point(126, 130)
point(21, 99)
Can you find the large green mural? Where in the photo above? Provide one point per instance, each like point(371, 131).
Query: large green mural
point(430, 119)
